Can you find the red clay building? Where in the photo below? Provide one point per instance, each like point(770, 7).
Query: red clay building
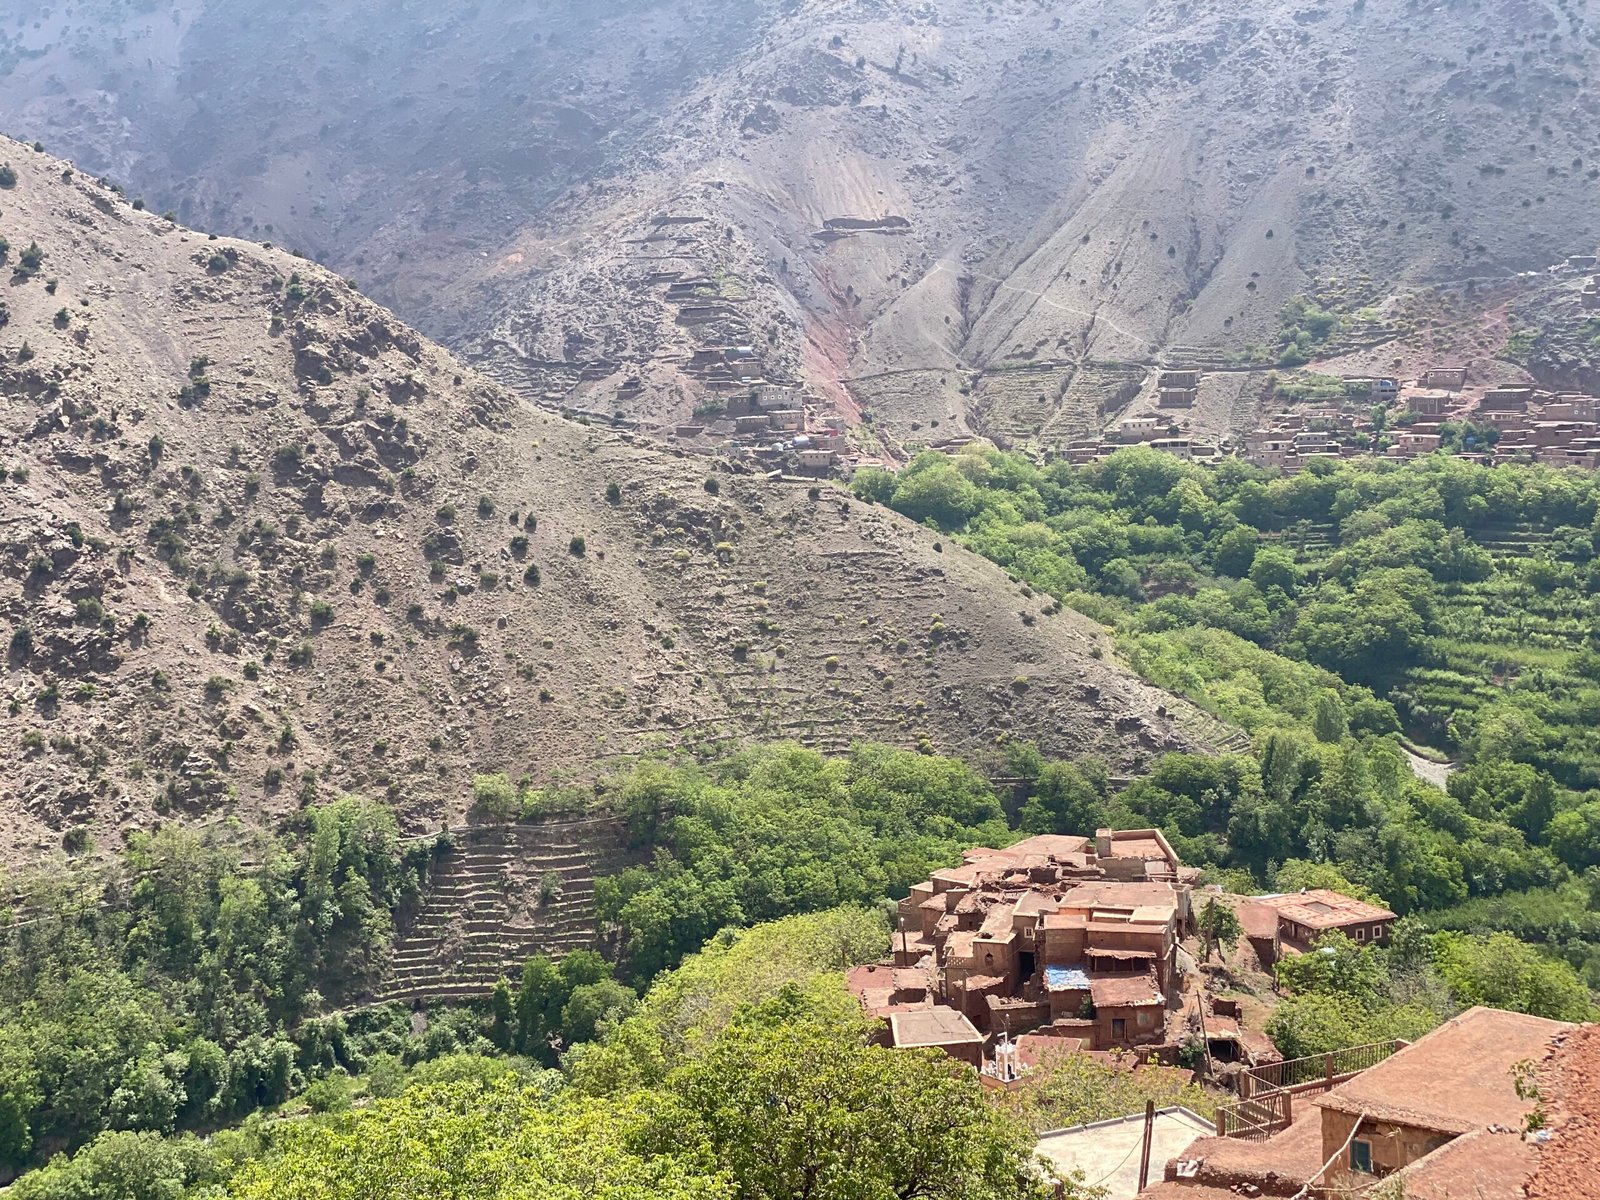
point(1305, 916)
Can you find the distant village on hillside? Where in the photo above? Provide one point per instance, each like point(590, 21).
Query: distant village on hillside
point(1017, 959)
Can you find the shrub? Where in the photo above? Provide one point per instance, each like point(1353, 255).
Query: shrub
point(332, 1093)
point(531, 575)
point(613, 493)
point(8, 176)
point(712, 485)
point(550, 884)
point(321, 612)
point(485, 506)
point(494, 795)
point(577, 547)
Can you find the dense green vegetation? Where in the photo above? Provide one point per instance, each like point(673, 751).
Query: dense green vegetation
point(781, 829)
point(1328, 614)
point(162, 994)
point(187, 993)
point(1349, 994)
point(675, 1100)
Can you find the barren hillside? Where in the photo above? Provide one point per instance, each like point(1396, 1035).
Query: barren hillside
point(901, 202)
point(262, 541)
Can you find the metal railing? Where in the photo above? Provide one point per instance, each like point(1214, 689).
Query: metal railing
point(1266, 1093)
point(1256, 1118)
point(1314, 1070)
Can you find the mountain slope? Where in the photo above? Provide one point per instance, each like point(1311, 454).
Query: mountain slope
point(260, 533)
point(895, 201)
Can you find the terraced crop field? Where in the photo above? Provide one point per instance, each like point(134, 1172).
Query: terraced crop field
point(1501, 642)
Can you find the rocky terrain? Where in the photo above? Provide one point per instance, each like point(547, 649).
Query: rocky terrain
point(263, 543)
point(942, 217)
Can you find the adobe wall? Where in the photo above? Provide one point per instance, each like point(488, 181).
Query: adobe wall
point(1393, 1146)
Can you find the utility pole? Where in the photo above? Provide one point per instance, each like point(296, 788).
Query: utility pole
point(1149, 1135)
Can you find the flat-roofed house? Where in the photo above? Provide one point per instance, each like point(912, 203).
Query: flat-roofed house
point(941, 1028)
point(1305, 916)
point(1458, 1080)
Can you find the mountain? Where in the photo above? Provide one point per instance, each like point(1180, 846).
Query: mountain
point(940, 217)
point(263, 541)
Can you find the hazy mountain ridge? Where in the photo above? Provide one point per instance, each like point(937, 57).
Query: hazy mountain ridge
point(1061, 200)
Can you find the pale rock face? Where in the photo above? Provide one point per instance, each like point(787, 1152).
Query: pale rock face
point(995, 217)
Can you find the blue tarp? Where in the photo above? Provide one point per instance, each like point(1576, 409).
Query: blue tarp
point(1066, 977)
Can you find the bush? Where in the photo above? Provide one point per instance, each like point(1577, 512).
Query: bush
point(332, 1093)
point(122, 1166)
point(495, 796)
point(613, 494)
point(8, 176)
point(386, 1076)
point(577, 547)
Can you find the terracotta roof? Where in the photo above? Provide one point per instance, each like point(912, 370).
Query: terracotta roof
point(1116, 991)
point(937, 1026)
point(1146, 848)
point(1287, 1158)
point(1112, 894)
point(1139, 922)
point(1569, 1163)
point(1176, 1190)
point(1257, 920)
point(1034, 903)
point(1057, 844)
point(1127, 955)
point(1481, 1165)
point(1454, 1079)
point(1318, 908)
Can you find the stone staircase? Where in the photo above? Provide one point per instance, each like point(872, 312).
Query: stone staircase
point(502, 895)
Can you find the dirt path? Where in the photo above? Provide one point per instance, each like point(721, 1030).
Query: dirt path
point(1429, 771)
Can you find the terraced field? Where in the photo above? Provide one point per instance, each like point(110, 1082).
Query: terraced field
point(504, 894)
point(1501, 639)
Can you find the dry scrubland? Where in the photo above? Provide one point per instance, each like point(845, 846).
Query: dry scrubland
point(263, 542)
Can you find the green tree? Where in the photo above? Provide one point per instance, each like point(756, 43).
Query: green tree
point(1274, 567)
point(1329, 722)
point(1502, 972)
point(541, 991)
point(1236, 551)
point(502, 1015)
point(1219, 927)
point(795, 1106)
point(594, 1007)
point(122, 1166)
point(503, 1142)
